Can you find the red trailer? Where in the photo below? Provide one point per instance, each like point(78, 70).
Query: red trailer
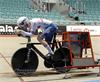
point(81, 51)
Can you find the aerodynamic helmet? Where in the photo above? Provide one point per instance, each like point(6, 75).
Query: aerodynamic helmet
point(23, 22)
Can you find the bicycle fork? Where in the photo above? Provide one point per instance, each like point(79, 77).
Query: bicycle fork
point(28, 56)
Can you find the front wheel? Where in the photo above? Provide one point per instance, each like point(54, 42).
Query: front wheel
point(19, 64)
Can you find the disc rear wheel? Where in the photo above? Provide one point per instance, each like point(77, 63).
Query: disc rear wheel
point(62, 58)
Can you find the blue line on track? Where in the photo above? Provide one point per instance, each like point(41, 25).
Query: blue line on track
point(93, 81)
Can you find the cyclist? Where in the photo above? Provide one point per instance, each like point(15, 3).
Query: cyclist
point(45, 28)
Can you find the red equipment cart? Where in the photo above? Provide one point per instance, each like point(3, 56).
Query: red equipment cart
point(81, 51)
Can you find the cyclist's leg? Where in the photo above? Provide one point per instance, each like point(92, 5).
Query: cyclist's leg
point(41, 38)
point(47, 35)
point(50, 32)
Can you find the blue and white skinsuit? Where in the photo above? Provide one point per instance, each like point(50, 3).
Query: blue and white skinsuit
point(48, 27)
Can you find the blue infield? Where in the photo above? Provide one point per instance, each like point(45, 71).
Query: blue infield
point(93, 81)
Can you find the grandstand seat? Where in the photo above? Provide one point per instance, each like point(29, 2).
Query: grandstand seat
point(12, 9)
point(92, 9)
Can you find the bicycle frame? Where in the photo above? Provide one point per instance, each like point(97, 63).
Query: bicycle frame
point(53, 45)
point(31, 46)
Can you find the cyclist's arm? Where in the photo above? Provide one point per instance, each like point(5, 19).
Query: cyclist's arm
point(23, 33)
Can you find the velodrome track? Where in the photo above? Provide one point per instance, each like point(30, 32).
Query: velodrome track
point(8, 45)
